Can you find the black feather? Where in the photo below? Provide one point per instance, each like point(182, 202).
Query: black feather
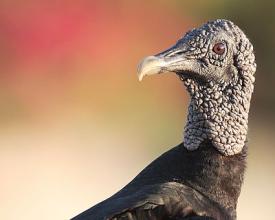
point(180, 184)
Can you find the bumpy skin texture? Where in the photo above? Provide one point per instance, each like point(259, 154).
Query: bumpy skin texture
point(202, 177)
point(219, 104)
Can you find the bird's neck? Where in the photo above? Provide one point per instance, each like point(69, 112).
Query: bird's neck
point(216, 176)
point(219, 113)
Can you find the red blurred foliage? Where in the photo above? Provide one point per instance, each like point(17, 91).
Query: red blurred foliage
point(48, 46)
point(41, 31)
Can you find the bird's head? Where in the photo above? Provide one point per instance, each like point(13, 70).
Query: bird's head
point(216, 52)
point(217, 64)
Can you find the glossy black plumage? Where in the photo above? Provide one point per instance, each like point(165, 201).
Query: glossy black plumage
point(180, 184)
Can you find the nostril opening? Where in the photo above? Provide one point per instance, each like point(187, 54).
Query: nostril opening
point(178, 53)
point(203, 61)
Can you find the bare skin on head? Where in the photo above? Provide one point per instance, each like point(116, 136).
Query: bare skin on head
point(217, 64)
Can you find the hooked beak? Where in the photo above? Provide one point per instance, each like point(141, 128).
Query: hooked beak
point(172, 60)
point(149, 66)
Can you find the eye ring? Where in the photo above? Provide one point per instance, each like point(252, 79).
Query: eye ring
point(219, 48)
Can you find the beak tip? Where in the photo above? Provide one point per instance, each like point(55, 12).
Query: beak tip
point(148, 66)
point(140, 77)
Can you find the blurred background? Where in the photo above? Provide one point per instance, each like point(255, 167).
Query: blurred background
point(75, 123)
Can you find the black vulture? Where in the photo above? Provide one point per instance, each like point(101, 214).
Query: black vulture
point(200, 178)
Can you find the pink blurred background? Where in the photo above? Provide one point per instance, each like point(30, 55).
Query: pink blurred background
point(76, 125)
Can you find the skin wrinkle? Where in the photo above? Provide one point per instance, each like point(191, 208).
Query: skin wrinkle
point(219, 107)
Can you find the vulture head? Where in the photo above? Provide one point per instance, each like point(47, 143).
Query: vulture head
point(217, 65)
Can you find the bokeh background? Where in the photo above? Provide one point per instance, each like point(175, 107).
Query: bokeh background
point(75, 123)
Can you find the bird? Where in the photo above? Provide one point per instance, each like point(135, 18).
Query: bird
point(200, 178)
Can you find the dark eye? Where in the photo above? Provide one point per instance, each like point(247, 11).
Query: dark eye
point(219, 48)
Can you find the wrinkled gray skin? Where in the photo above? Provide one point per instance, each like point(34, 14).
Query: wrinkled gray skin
point(220, 85)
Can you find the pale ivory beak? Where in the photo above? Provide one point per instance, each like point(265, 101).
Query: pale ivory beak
point(170, 60)
point(150, 65)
